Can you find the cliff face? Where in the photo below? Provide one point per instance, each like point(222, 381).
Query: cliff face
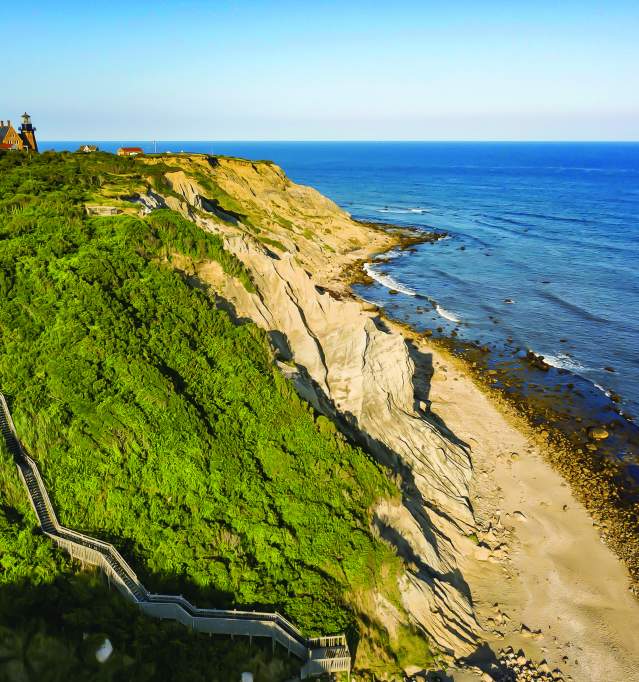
point(296, 245)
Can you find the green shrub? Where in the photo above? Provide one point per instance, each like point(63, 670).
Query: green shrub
point(158, 424)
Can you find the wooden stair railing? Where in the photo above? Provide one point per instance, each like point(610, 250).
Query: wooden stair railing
point(320, 654)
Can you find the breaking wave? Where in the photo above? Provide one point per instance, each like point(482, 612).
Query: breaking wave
point(565, 361)
point(388, 281)
point(390, 209)
point(442, 312)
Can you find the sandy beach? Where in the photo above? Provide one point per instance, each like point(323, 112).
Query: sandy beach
point(543, 581)
point(541, 578)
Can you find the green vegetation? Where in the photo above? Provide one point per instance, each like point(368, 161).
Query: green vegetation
point(224, 202)
point(272, 242)
point(53, 619)
point(161, 426)
point(177, 234)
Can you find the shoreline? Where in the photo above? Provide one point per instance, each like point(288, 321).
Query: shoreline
point(553, 575)
point(588, 465)
point(497, 551)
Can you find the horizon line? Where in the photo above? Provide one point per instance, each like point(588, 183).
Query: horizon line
point(367, 141)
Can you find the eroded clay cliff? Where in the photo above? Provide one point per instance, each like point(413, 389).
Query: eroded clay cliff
point(296, 245)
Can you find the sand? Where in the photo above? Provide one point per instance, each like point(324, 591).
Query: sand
point(551, 573)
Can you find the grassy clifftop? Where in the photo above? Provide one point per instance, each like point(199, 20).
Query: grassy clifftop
point(158, 423)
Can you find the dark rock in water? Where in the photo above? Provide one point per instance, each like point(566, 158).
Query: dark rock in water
point(508, 300)
point(609, 369)
point(563, 340)
point(462, 248)
point(440, 329)
point(537, 361)
point(392, 292)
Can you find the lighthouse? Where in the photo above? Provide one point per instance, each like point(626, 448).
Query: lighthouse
point(27, 133)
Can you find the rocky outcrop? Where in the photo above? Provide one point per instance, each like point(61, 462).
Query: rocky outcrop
point(353, 369)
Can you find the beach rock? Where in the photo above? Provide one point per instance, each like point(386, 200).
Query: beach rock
point(598, 433)
point(537, 361)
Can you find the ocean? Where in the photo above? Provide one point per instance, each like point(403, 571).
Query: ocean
point(542, 250)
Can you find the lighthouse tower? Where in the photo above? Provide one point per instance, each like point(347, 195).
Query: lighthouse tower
point(27, 133)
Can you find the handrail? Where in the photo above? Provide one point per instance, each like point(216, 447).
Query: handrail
point(49, 507)
point(78, 544)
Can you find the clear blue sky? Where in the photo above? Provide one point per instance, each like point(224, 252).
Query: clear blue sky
point(252, 69)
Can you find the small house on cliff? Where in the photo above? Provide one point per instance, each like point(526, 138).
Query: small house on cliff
point(11, 139)
point(130, 151)
point(88, 148)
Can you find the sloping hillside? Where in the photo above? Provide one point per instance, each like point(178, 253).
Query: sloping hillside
point(162, 425)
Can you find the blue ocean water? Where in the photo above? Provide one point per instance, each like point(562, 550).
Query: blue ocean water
point(543, 247)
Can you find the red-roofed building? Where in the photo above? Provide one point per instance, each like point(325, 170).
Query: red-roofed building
point(25, 139)
point(130, 151)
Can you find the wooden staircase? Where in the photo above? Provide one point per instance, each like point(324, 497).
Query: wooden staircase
point(320, 655)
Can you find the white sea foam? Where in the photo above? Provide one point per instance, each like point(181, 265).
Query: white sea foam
point(564, 361)
point(387, 281)
point(602, 389)
point(446, 314)
point(402, 210)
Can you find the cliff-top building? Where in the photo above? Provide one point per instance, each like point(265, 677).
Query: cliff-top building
point(130, 151)
point(25, 139)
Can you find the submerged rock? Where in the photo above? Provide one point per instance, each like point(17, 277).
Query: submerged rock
point(598, 433)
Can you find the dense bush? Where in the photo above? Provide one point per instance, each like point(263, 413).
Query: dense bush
point(158, 424)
